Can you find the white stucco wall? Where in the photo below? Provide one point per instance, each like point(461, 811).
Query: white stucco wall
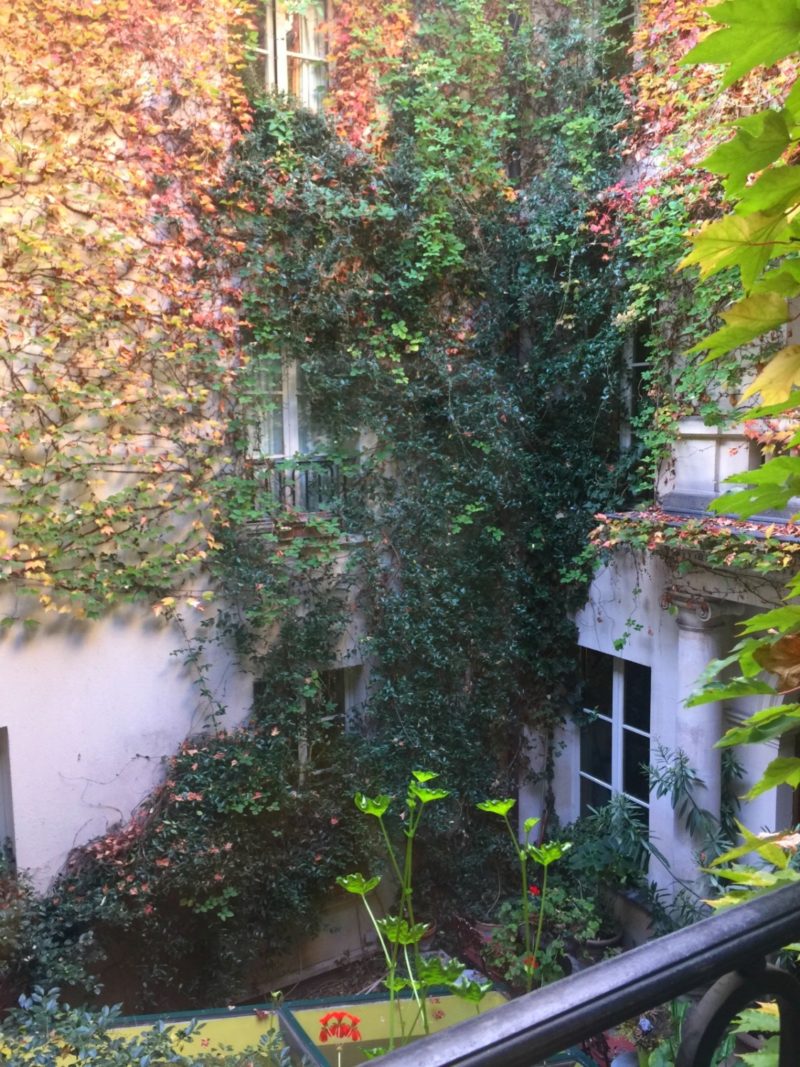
point(91, 710)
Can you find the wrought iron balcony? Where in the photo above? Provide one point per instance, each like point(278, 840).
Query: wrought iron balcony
point(730, 950)
point(306, 484)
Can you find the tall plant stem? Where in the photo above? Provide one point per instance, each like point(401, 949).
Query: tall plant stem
point(407, 904)
point(526, 905)
point(374, 922)
point(392, 959)
point(540, 924)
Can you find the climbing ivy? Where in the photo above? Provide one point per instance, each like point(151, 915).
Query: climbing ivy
point(435, 260)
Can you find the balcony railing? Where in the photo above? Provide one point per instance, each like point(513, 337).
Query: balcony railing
point(306, 484)
point(729, 949)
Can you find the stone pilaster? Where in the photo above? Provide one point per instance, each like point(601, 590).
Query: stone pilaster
point(701, 637)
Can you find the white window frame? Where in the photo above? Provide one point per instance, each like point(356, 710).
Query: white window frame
point(618, 730)
point(289, 418)
point(278, 23)
point(301, 478)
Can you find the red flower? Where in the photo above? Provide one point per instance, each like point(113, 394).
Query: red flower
point(339, 1024)
point(534, 890)
point(530, 963)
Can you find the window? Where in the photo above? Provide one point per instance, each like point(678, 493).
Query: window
point(615, 745)
point(287, 443)
point(285, 428)
point(6, 812)
point(292, 50)
point(343, 690)
point(637, 367)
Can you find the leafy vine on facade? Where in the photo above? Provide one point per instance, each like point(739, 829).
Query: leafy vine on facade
point(445, 260)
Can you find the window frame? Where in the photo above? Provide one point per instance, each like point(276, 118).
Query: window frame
point(275, 25)
point(302, 476)
point(619, 729)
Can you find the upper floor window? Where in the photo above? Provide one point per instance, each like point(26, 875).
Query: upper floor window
point(285, 429)
point(288, 443)
point(615, 744)
point(292, 50)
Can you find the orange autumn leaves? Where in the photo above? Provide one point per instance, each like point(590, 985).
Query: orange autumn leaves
point(117, 119)
point(367, 39)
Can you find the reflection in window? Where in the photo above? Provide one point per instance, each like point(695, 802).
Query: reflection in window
point(291, 51)
point(615, 744)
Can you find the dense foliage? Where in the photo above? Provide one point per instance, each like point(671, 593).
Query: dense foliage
point(114, 357)
point(434, 264)
point(757, 238)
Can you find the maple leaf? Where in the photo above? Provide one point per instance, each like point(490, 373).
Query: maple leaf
point(757, 33)
point(748, 319)
point(782, 658)
point(759, 141)
point(747, 242)
point(778, 379)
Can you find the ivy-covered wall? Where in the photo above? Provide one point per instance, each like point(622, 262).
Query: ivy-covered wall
point(443, 256)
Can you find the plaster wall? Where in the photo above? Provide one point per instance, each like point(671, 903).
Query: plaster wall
point(91, 711)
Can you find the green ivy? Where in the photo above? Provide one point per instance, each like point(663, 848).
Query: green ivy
point(449, 302)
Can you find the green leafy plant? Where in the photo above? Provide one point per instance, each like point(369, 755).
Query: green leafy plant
point(44, 1031)
point(398, 932)
point(543, 855)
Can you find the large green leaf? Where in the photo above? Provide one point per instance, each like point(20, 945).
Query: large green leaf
point(762, 846)
point(357, 883)
point(759, 141)
point(763, 1057)
point(779, 772)
point(771, 487)
point(757, 33)
point(791, 104)
point(784, 280)
point(748, 242)
point(425, 796)
point(743, 322)
point(775, 190)
point(737, 687)
point(767, 1022)
point(784, 619)
point(496, 807)
point(376, 806)
point(400, 931)
point(763, 726)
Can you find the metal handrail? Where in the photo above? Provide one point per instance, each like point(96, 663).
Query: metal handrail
point(528, 1030)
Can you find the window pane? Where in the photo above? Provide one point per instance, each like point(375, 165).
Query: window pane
point(307, 80)
point(333, 690)
point(598, 672)
point(637, 696)
point(307, 440)
point(635, 752)
point(596, 750)
point(593, 795)
point(270, 430)
point(271, 435)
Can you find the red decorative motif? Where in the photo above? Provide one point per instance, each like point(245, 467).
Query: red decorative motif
point(341, 1025)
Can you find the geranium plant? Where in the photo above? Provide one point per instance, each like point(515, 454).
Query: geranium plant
point(544, 855)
